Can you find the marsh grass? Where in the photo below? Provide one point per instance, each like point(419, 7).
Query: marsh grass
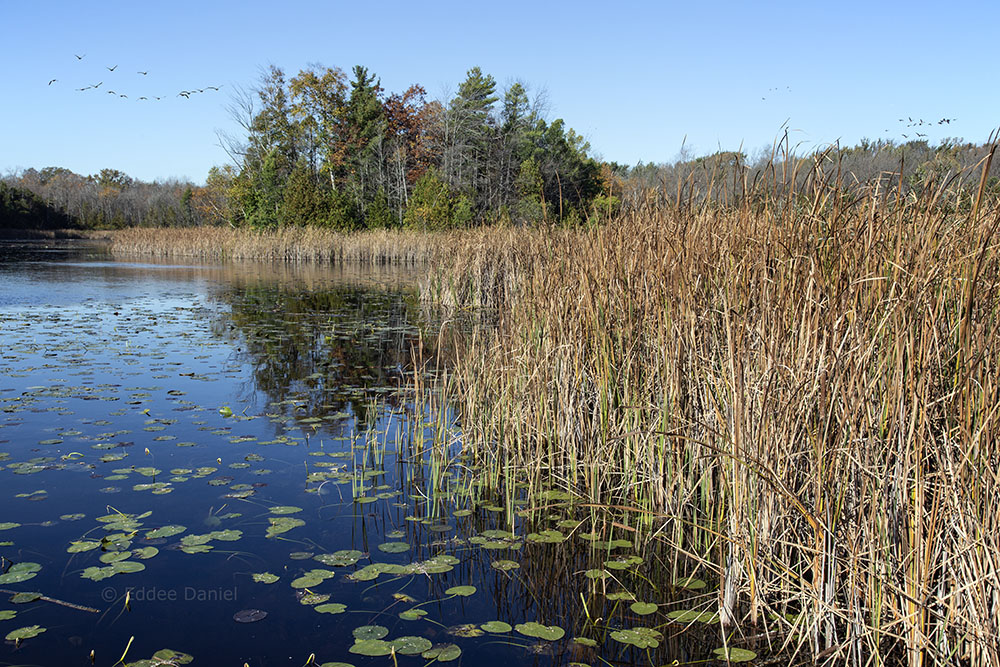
point(797, 392)
point(285, 244)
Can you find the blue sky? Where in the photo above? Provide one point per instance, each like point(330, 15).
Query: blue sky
point(637, 79)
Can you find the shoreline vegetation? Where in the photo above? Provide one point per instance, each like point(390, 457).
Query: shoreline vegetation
point(796, 392)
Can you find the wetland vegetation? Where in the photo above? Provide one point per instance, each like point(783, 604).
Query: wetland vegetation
point(487, 399)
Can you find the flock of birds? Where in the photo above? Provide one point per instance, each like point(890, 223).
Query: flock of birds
point(186, 94)
point(920, 122)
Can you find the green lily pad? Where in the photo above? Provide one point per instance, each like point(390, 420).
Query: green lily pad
point(463, 591)
point(24, 598)
point(442, 653)
point(7, 614)
point(285, 509)
point(412, 614)
point(343, 558)
point(265, 577)
point(166, 656)
point(282, 524)
point(7, 525)
point(331, 608)
point(371, 647)
point(20, 572)
point(165, 531)
point(533, 629)
point(585, 641)
point(314, 598)
point(24, 633)
point(394, 547)
point(370, 632)
point(496, 626)
point(690, 583)
point(505, 565)
point(410, 645)
point(642, 638)
point(735, 654)
point(643, 608)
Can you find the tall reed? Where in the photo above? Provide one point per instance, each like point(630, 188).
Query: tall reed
point(798, 390)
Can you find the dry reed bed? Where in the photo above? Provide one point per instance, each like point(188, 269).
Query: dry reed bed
point(285, 244)
point(802, 401)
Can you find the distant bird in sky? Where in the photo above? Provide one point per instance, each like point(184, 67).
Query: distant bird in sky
point(84, 88)
point(111, 69)
point(111, 92)
point(97, 85)
point(921, 135)
point(156, 98)
point(143, 98)
point(142, 73)
point(80, 57)
point(212, 87)
point(53, 81)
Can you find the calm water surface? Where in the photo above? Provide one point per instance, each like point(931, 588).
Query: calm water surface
point(233, 443)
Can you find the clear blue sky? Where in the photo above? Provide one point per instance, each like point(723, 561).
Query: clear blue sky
point(635, 78)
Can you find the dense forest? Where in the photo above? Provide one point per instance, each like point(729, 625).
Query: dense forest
point(328, 149)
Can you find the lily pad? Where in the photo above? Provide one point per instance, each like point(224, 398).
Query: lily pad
point(343, 558)
point(394, 547)
point(691, 583)
point(642, 638)
point(496, 626)
point(410, 645)
point(533, 629)
point(7, 614)
point(643, 608)
point(249, 615)
point(331, 608)
point(735, 654)
point(265, 577)
point(370, 632)
point(24, 598)
point(505, 565)
point(7, 525)
point(20, 572)
point(24, 633)
point(463, 591)
point(371, 647)
point(166, 656)
point(442, 653)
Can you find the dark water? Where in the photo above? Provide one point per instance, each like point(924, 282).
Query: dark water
point(169, 431)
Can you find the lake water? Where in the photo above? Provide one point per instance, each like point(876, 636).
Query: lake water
point(226, 461)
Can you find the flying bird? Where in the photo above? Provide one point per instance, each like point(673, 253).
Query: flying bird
point(142, 73)
point(97, 85)
point(143, 98)
point(212, 87)
point(80, 57)
point(111, 69)
point(123, 95)
point(111, 92)
point(53, 81)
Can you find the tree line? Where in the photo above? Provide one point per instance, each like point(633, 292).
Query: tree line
point(333, 150)
point(328, 149)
